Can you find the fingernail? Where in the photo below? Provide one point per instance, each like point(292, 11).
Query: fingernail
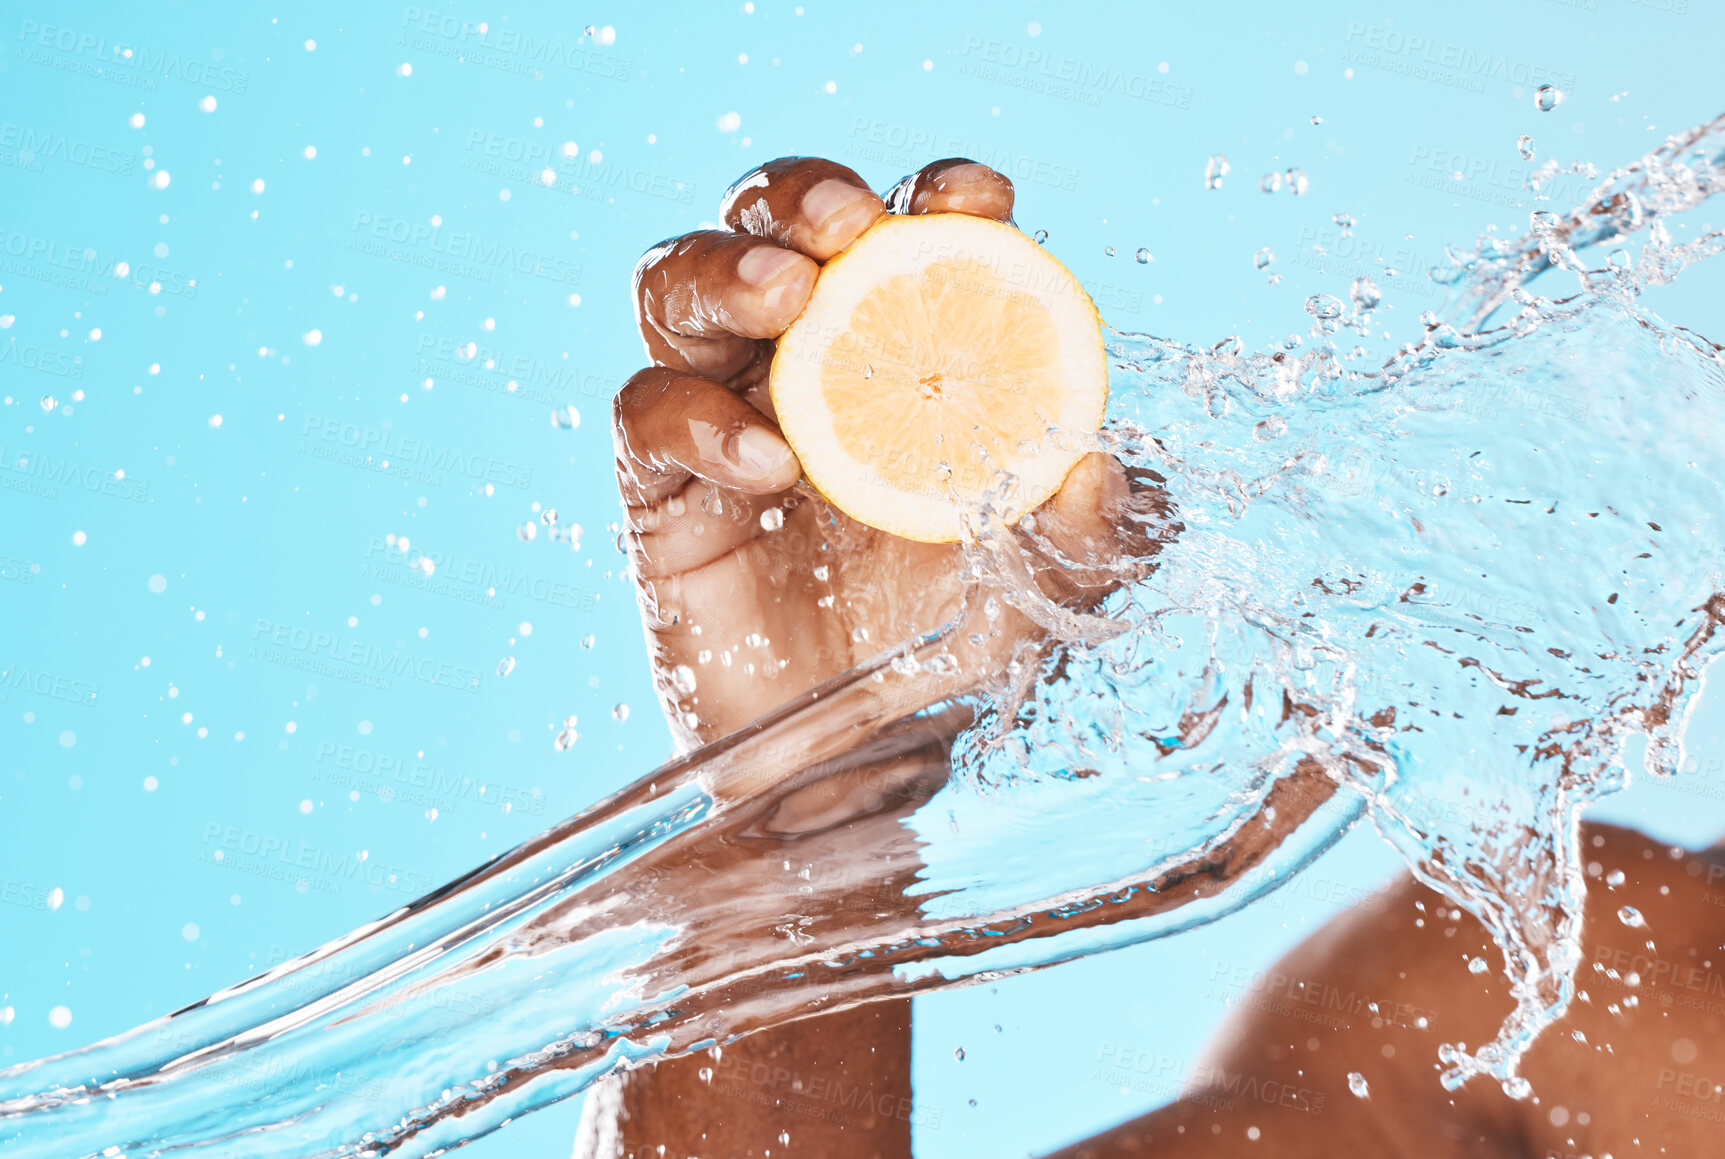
point(761, 265)
point(823, 204)
point(760, 452)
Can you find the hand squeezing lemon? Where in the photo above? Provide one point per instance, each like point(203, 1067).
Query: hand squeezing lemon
point(936, 354)
point(914, 358)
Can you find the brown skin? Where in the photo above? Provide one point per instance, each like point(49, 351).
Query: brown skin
point(1645, 1077)
point(699, 459)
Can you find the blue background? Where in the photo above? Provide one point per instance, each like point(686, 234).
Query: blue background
point(340, 699)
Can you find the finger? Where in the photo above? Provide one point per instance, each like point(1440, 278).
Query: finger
point(954, 185)
point(703, 299)
point(695, 526)
point(814, 206)
point(1085, 517)
point(670, 426)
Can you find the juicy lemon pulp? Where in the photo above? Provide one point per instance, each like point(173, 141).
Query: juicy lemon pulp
point(935, 354)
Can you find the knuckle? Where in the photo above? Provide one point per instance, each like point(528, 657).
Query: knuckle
point(638, 391)
point(936, 168)
point(651, 260)
point(638, 384)
point(664, 261)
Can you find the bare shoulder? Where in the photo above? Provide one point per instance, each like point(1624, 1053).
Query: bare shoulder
point(1336, 1045)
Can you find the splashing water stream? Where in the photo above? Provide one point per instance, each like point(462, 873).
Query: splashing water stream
point(1442, 592)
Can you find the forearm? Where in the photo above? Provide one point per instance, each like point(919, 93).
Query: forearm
point(839, 1084)
point(835, 1085)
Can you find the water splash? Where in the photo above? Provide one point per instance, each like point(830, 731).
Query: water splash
point(1485, 545)
point(1504, 542)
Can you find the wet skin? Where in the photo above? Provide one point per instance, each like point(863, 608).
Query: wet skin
point(699, 458)
point(760, 613)
point(1613, 1077)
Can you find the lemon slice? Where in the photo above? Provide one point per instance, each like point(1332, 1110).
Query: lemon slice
point(935, 353)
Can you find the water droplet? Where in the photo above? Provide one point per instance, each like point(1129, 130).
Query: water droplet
point(1517, 1087)
point(548, 516)
point(565, 740)
point(772, 519)
point(1214, 170)
point(527, 531)
point(1365, 293)
point(1297, 183)
point(1357, 1084)
point(620, 713)
point(1524, 146)
point(1317, 120)
point(1263, 257)
point(1270, 182)
point(505, 666)
point(683, 679)
point(1144, 256)
point(868, 371)
point(1478, 966)
point(587, 642)
point(1324, 306)
point(49, 402)
point(1108, 250)
point(705, 1074)
point(959, 1054)
point(1614, 878)
point(1040, 237)
point(1630, 916)
point(1345, 223)
point(1545, 98)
